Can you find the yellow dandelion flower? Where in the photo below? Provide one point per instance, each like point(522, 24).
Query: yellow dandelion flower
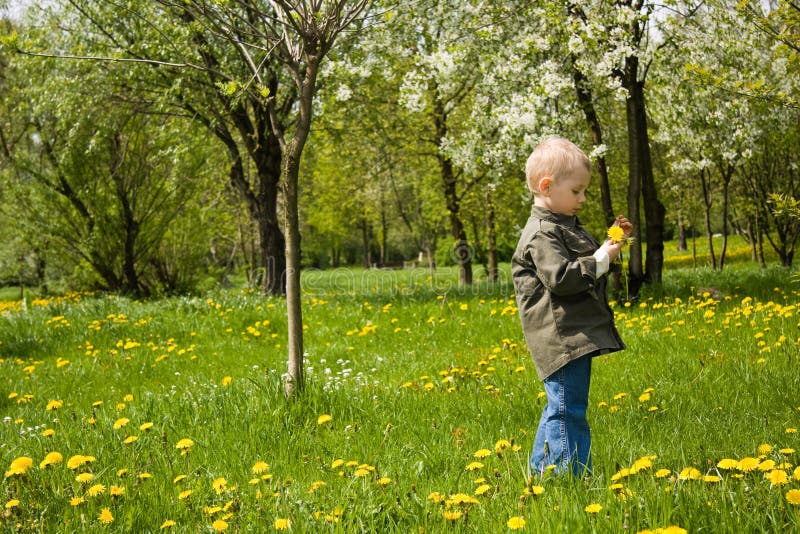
point(54, 405)
point(97, 489)
point(167, 524)
point(482, 453)
point(483, 488)
point(689, 473)
point(592, 508)
point(748, 464)
point(75, 501)
point(324, 418)
point(144, 427)
point(185, 493)
point(78, 460)
point(219, 484)
point(122, 472)
point(185, 445)
point(727, 464)
point(502, 445)
point(472, 466)
point(226, 381)
point(361, 472)
point(105, 516)
point(19, 466)
point(766, 465)
point(537, 490)
point(219, 525)
point(83, 478)
point(384, 481)
point(178, 479)
point(661, 473)
point(260, 467)
point(764, 448)
point(777, 477)
point(282, 524)
point(515, 523)
point(711, 478)
point(791, 430)
point(116, 491)
point(452, 515)
point(145, 476)
point(13, 503)
point(787, 450)
point(130, 439)
point(121, 422)
point(51, 458)
point(337, 463)
point(49, 433)
point(793, 496)
point(436, 497)
point(616, 234)
point(796, 473)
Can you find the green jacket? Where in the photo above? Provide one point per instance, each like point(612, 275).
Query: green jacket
point(563, 306)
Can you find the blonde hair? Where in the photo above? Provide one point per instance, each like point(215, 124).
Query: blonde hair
point(556, 158)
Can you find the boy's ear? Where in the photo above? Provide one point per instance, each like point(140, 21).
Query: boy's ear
point(544, 184)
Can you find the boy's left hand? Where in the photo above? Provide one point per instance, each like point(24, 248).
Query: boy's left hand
point(625, 224)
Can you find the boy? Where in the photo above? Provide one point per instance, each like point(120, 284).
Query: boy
point(559, 279)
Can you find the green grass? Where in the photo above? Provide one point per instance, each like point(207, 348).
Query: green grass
point(417, 376)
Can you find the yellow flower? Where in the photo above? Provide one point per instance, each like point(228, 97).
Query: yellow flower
point(282, 524)
point(83, 478)
point(122, 421)
point(185, 493)
point(19, 466)
point(105, 516)
point(452, 516)
point(219, 525)
point(337, 463)
point(472, 466)
point(592, 508)
point(13, 503)
point(54, 405)
point(116, 491)
point(219, 484)
point(515, 523)
point(130, 439)
point(166, 524)
point(226, 381)
point(537, 490)
point(324, 418)
point(689, 473)
point(616, 234)
point(50, 459)
point(48, 433)
point(383, 481)
point(361, 472)
point(661, 473)
point(748, 464)
point(793, 496)
point(435, 496)
point(75, 501)
point(764, 448)
point(482, 453)
point(502, 445)
point(97, 489)
point(727, 463)
point(146, 426)
point(259, 467)
point(184, 445)
point(777, 477)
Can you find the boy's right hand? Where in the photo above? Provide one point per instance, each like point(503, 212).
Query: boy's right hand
point(611, 249)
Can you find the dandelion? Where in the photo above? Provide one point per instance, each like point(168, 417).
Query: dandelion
point(793, 496)
point(121, 422)
point(51, 458)
point(727, 464)
point(130, 439)
point(324, 418)
point(226, 381)
point(260, 467)
point(219, 525)
point(19, 466)
point(502, 445)
point(661, 473)
point(13, 503)
point(97, 489)
point(83, 478)
point(337, 463)
point(777, 477)
point(436, 497)
point(167, 524)
point(689, 473)
point(616, 234)
point(537, 490)
point(711, 478)
point(144, 427)
point(483, 488)
point(282, 524)
point(482, 453)
point(75, 501)
point(384, 481)
point(748, 464)
point(105, 516)
point(592, 508)
point(116, 491)
point(361, 472)
point(452, 515)
point(515, 523)
point(219, 484)
point(185, 445)
point(472, 466)
point(54, 405)
point(185, 493)
point(49, 433)
point(122, 472)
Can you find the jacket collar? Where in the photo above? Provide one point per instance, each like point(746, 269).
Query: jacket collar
point(557, 218)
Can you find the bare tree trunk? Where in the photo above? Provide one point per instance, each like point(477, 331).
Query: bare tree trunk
point(705, 180)
point(491, 238)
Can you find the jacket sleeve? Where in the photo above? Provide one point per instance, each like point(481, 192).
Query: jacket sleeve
point(557, 267)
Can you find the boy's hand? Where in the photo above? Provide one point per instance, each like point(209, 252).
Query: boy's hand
point(625, 224)
point(612, 249)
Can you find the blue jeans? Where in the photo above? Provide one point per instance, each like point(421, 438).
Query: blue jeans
point(563, 438)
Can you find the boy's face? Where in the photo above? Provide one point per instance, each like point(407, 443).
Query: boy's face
point(566, 195)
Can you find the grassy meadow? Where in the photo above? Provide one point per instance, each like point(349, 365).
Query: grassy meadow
point(418, 415)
